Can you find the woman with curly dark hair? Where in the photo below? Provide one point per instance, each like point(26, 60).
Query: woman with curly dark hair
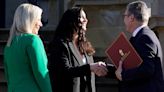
point(71, 63)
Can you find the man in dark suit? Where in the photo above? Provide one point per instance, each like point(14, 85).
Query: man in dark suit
point(148, 77)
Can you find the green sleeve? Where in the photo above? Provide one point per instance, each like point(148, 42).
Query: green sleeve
point(38, 60)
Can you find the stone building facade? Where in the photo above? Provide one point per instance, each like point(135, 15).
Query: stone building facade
point(105, 17)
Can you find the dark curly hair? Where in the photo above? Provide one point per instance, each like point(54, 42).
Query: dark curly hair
point(68, 25)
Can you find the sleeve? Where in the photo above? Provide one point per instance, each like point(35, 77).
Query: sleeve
point(38, 60)
point(146, 49)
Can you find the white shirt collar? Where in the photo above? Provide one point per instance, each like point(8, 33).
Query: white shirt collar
point(137, 30)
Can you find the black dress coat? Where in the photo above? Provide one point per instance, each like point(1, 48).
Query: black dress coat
point(67, 71)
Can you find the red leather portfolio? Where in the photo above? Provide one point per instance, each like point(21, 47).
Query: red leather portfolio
point(121, 49)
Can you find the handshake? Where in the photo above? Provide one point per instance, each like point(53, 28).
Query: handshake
point(99, 68)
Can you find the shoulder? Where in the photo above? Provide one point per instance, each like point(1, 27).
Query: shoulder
point(147, 35)
point(146, 32)
point(57, 45)
point(31, 38)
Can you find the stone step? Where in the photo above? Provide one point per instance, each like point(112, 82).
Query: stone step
point(3, 83)
point(2, 45)
point(3, 87)
point(1, 60)
point(106, 84)
point(2, 75)
point(3, 42)
point(102, 81)
point(4, 34)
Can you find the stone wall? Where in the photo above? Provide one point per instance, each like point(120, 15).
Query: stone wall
point(105, 17)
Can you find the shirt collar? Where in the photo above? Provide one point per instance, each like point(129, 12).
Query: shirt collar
point(137, 30)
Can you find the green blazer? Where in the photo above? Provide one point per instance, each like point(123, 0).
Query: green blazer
point(25, 63)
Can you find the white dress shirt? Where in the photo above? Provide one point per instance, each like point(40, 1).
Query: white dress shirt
point(137, 30)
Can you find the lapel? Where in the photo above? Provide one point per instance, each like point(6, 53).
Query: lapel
point(75, 53)
point(89, 59)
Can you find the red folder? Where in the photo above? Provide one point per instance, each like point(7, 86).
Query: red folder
point(121, 49)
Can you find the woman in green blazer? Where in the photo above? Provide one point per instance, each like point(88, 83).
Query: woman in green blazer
point(25, 58)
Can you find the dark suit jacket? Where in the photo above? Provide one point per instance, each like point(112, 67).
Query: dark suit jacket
point(67, 71)
point(148, 76)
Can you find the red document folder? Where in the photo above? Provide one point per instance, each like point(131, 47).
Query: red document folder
point(121, 49)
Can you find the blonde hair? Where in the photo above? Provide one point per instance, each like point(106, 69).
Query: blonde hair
point(24, 18)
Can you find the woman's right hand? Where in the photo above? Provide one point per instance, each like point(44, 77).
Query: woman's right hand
point(99, 68)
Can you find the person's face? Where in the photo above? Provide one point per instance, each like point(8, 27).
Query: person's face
point(127, 20)
point(83, 20)
point(37, 25)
